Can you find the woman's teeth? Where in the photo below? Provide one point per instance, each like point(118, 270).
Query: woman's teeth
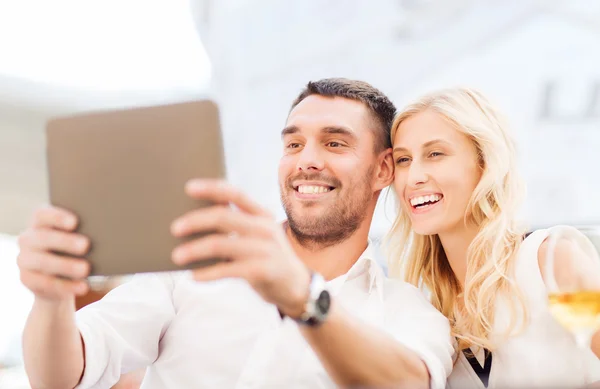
point(424, 200)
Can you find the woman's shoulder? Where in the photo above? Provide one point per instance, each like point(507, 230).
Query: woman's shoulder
point(532, 253)
point(526, 260)
point(535, 244)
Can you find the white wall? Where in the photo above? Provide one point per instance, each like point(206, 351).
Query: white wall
point(65, 56)
point(23, 183)
point(263, 52)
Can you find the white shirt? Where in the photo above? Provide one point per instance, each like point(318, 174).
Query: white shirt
point(545, 354)
point(15, 303)
point(223, 335)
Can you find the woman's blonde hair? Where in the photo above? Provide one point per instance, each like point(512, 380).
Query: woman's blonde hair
point(493, 207)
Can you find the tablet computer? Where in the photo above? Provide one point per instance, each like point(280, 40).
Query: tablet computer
point(123, 173)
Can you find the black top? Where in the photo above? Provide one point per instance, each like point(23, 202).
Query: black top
point(482, 372)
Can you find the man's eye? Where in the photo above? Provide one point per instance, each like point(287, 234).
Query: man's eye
point(334, 144)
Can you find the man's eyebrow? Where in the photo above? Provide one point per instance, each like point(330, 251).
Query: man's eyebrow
point(289, 130)
point(339, 130)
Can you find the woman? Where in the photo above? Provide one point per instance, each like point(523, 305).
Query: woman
point(457, 236)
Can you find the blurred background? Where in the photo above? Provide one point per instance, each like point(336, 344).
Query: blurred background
point(538, 60)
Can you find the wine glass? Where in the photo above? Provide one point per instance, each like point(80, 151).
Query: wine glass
point(572, 276)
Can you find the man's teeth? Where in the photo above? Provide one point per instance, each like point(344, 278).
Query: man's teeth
point(425, 199)
point(313, 189)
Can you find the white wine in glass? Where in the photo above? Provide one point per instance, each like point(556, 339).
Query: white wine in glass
point(572, 276)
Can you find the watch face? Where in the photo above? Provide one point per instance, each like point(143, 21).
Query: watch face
point(324, 302)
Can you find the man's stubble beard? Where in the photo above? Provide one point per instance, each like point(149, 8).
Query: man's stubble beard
point(336, 223)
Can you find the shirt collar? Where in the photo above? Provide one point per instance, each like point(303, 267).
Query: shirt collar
point(366, 262)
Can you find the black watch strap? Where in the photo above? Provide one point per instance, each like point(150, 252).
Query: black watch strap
point(318, 303)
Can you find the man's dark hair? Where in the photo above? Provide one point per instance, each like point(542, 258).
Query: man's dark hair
point(382, 109)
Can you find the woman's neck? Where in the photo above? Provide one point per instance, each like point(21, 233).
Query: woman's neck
point(456, 244)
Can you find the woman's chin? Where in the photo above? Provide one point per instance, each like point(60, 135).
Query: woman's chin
point(425, 230)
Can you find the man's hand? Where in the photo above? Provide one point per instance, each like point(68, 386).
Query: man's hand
point(254, 244)
point(50, 276)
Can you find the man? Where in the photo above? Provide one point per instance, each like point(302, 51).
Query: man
point(15, 301)
point(271, 320)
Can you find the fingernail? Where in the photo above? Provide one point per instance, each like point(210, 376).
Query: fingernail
point(82, 244)
point(81, 288)
point(83, 269)
point(68, 221)
point(177, 227)
point(196, 185)
point(178, 255)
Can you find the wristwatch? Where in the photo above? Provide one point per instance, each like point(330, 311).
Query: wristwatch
point(317, 306)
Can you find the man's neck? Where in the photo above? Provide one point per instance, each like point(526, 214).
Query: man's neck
point(335, 260)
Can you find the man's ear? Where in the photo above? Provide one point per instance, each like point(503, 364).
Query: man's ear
point(385, 169)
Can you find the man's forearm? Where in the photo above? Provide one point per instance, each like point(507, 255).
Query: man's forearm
point(52, 346)
point(357, 354)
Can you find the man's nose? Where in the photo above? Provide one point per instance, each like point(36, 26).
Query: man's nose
point(310, 158)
